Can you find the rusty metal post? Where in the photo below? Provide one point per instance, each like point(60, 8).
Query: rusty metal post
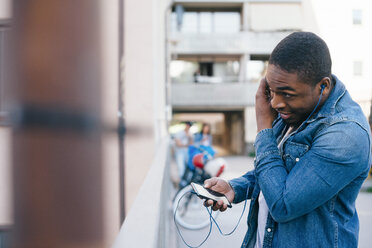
point(57, 139)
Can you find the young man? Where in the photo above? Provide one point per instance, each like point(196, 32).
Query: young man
point(313, 152)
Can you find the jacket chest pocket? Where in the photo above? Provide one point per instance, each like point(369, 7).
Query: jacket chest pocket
point(292, 153)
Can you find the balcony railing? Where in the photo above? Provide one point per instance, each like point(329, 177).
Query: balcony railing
point(211, 96)
point(219, 43)
point(147, 224)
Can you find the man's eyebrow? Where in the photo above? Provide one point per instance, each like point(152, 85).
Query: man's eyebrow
point(280, 88)
point(286, 88)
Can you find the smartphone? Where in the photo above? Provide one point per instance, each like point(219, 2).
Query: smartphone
point(209, 194)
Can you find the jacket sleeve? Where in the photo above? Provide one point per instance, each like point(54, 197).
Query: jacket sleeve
point(243, 186)
point(339, 154)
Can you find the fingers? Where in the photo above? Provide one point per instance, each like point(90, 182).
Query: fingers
point(208, 203)
point(223, 208)
point(210, 182)
point(263, 83)
point(263, 89)
point(216, 205)
point(219, 185)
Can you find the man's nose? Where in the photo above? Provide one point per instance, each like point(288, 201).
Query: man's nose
point(277, 102)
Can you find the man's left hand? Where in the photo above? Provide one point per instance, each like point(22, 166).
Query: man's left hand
point(265, 114)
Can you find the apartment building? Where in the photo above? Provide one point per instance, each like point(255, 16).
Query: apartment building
point(219, 52)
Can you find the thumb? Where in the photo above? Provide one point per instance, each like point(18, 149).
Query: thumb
point(210, 182)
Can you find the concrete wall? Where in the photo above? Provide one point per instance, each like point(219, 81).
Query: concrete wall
point(219, 43)
point(150, 222)
point(110, 78)
point(250, 128)
point(5, 9)
point(144, 87)
point(6, 205)
point(235, 127)
point(143, 76)
point(213, 96)
point(270, 16)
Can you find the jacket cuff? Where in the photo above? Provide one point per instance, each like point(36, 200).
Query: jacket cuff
point(265, 144)
point(240, 189)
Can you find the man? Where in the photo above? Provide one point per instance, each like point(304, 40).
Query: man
point(182, 141)
point(313, 152)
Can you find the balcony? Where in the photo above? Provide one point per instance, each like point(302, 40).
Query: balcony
point(219, 43)
point(227, 96)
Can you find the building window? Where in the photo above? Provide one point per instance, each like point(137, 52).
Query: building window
point(205, 21)
point(357, 16)
point(214, 69)
point(206, 69)
point(226, 22)
point(190, 22)
point(358, 68)
point(257, 67)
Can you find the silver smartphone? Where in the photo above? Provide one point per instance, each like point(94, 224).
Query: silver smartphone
point(209, 194)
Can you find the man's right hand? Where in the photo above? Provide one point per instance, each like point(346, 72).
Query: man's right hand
point(221, 186)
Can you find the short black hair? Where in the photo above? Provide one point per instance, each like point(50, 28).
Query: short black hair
point(303, 53)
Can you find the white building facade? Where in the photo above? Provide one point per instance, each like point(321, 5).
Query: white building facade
point(220, 51)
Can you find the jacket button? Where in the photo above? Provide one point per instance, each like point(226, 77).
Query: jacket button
point(269, 229)
point(297, 159)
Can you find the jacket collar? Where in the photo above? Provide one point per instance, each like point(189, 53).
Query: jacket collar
point(329, 107)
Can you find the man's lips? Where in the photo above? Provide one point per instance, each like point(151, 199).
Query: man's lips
point(285, 116)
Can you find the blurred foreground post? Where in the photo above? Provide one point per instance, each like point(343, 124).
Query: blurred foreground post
point(57, 139)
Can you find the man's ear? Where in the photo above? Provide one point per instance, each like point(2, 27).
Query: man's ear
point(325, 85)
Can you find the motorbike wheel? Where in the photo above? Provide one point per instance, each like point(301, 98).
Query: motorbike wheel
point(191, 213)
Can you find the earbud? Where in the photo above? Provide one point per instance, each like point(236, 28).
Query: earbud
point(322, 87)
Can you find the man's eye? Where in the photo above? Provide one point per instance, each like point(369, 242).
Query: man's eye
point(286, 95)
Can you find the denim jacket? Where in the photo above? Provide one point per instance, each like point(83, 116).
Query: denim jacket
point(311, 183)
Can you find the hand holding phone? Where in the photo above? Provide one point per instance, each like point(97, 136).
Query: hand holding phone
point(209, 194)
